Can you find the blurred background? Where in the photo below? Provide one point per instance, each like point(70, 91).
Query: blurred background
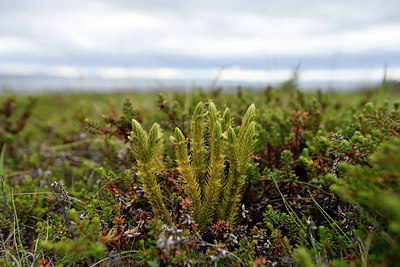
point(53, 45)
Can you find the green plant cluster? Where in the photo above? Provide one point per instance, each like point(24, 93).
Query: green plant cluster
point(307, 179)
point(13, 118)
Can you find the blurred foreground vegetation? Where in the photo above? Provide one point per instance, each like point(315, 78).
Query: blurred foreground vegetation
point(322, 188)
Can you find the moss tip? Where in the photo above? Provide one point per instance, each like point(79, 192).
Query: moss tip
point(199, 110)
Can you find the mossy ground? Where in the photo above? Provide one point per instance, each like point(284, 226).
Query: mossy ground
point(322, 188)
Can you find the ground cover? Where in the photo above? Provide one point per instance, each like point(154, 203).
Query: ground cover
point(201, 179)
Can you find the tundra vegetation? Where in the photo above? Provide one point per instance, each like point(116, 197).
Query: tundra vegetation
point(277, 177)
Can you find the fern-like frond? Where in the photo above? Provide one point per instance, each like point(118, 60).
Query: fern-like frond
point(215, 172)
point(230, 186)
point(197, 144)
point(247, 120)
point(158, 158)
point(153, 192)
point(247, 145)
point(218, 195)
point(239, 152)
point(212, 118)
point(138, 141)
point(185, 168)
point(145, 147)
point(226, 120)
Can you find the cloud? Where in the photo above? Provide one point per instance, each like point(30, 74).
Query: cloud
point(13, 44)
point(72, 32)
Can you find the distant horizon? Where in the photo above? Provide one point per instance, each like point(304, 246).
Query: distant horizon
point(108, 71)
point(167, 79)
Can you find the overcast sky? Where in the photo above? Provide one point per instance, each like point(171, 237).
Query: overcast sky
point(202, 34)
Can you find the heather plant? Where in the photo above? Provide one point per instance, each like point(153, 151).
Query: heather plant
point(112, 126)
point(173, 114)
point(12, 122)
point(375, 189)
point(114, 132)
point(84, 242)
point(294, 128)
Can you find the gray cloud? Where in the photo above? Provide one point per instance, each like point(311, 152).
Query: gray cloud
point(75, 32)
